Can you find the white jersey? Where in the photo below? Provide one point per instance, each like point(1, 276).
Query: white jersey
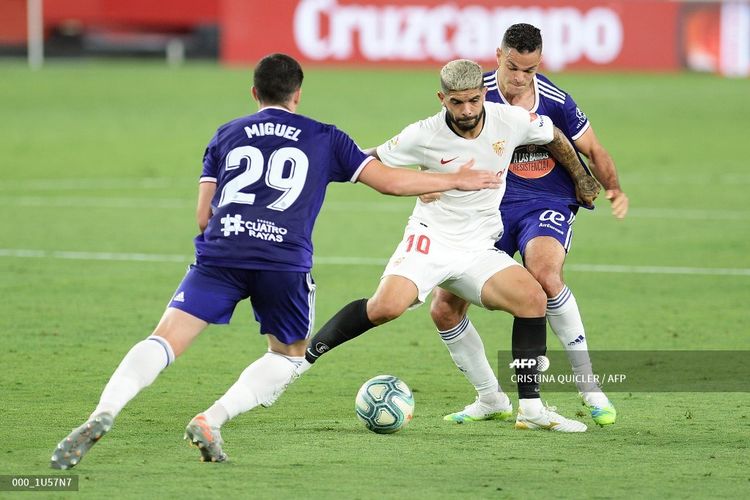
point(468, 219)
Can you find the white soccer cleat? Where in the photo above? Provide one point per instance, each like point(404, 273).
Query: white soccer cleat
point(206, 438)
point(548, 420)
point(478, 411)
point(71, 450)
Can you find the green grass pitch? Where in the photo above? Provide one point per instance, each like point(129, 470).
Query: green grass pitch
point(99, 166)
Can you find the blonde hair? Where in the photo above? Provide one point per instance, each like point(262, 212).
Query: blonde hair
point(461, 74)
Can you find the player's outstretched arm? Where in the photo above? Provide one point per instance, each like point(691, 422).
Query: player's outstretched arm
point(406, 182)
point(603, 167)
point(587, 188)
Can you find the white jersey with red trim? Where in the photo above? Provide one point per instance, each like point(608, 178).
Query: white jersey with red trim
point(466, 218)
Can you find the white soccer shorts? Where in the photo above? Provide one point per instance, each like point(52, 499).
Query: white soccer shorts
point(427, 261)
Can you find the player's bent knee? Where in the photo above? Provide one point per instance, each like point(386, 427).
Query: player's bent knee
point(444, 315)
point(551, 283)
point(536, 302)
point(530, 302)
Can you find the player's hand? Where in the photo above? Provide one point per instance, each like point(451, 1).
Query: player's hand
point(474, 180)
point(429, 197)
point(587, 189)
point(619, 201)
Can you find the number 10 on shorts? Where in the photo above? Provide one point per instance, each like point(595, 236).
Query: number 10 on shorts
point(422, 243)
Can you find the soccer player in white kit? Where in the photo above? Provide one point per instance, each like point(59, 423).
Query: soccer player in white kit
point(450, 242)
point(538, 208)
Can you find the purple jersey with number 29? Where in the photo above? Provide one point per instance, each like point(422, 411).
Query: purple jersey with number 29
point(271, 171)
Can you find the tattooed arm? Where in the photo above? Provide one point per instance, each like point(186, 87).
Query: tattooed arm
point(587, 188)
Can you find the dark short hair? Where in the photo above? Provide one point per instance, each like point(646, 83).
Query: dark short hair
point(523, 37)
point(276, 78)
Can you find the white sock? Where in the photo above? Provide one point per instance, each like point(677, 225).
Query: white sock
point(259, 383)
point(467, 350)
point(531, 406)
point(565, 320)
point(137, 370)
point(216, 415)
point(303, 366)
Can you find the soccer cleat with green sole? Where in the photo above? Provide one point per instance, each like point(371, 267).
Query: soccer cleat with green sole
point(603, 414)
point(478, 411)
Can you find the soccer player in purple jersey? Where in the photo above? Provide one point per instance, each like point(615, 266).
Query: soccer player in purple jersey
point(538, 211)
point(263, 183)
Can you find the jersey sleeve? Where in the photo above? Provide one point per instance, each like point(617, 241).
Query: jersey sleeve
point(576, 121)
point(534, 128)
point(210, 161)
point(404, 149)
point(348, 158)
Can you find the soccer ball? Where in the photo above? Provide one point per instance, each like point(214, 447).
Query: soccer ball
point(384, 404)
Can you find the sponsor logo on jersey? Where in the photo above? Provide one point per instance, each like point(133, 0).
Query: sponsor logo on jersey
point(551, 219)
point(260, 229)
point(581, 116)
point(180, 297)
point(443, 161)
point(531, 162)
point(552, 216)
point(391, 145)
point(498, 147)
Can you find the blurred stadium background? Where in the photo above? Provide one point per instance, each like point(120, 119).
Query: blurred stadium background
point(579, 34)
point(105, 109)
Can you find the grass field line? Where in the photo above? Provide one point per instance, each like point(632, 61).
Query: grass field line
point(86, 183)
point(89, 202)
point(358, 261)
point(403, 206)
point(708, 178)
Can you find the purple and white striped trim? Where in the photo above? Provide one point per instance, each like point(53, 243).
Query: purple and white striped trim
point(456, 331)
point(560, 300)
point(311, 286)
point(165, 345)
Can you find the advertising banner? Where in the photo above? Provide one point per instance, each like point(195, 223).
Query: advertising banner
point(577, 34)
